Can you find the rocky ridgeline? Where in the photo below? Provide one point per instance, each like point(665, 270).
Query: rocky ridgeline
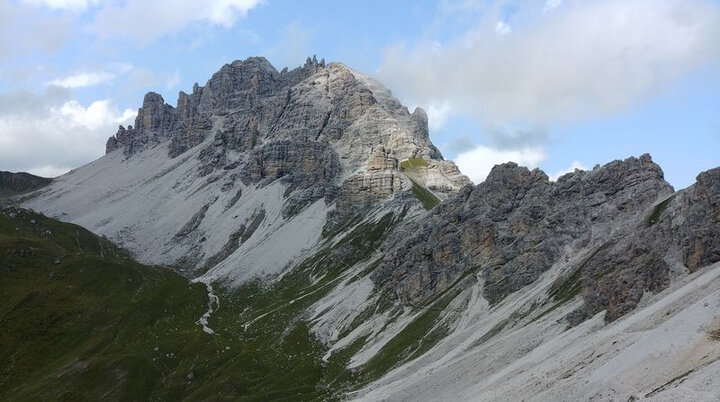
point(325, 130)
point(623, 219)
point(240, 85)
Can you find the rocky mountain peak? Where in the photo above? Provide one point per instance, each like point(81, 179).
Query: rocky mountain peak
point(254, 87)
point(510, 176)
point(155, 114)
point(269, 125)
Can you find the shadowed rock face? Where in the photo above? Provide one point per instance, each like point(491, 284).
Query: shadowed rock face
point(517, 224)
point(698, 220)
point(677, 234)
point(309, 169)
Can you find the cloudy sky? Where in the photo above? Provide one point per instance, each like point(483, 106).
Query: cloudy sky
point(555, 84)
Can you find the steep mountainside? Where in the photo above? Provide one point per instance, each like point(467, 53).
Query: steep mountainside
point(82, 321)
point(592, 248)
point(312, 203)
point(18, 183)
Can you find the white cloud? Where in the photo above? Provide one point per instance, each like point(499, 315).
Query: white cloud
point(59, 135)
point(83, 79)
point(98, 114)
point(502, 28)
point(575, 165)
point(438, 114)
point(226, 12)
point(146, 20)
point(73, 5)
point(551, 4)
point(134, 77)
point(585, 59)
point(49, 171)
point(478, 162)
point(23, 30)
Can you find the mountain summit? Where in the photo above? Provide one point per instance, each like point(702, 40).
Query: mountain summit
point(344, 258)
point(306, 148)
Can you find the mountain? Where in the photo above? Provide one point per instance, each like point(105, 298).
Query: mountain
point(317, 212)
point(267, 151)
point(17, 183)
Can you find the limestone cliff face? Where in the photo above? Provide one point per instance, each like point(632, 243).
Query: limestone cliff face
point(326, 130)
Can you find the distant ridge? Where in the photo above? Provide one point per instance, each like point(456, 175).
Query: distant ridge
point(21, 182)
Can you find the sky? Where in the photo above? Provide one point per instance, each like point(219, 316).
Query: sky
point(554, 84)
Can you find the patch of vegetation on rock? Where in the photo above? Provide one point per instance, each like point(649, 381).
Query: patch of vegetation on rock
point(658, 211)
point(427, 198)
point(414, 163)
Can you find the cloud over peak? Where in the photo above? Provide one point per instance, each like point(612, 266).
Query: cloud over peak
point(144, 21)
point(49, 133)
point(565, 61)
point(478, 162)
point(84, 79)
point(71, 5)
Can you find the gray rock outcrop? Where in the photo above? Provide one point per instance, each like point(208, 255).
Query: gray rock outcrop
point(517, 224)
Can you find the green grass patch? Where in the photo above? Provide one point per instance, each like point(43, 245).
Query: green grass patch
point(495, 330)
point(331, 230)
point(19, 183)
point(428, 199)
point(658, 211)
point(564, 290)
point(414, 163)
point(82, 321)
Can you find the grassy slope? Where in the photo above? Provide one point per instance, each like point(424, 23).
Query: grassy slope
point(414, 163)
point(278, 311)
point(98, 326)
point(426, 197)
point(83, 321)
